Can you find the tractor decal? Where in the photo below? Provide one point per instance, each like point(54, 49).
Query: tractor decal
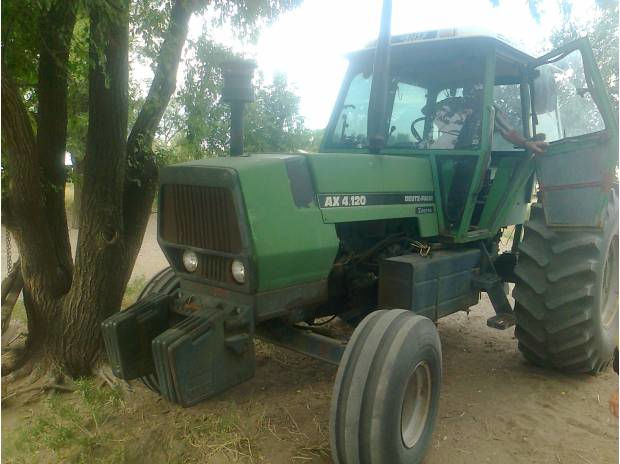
point(339, 200)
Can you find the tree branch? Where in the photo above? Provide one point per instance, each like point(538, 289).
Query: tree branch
point(40, 265)
point(141, 179)
point(56, 28)
point(105, 159)
point(164, 80)
point(17, 131)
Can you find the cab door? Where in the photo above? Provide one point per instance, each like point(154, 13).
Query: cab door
point(570, 105)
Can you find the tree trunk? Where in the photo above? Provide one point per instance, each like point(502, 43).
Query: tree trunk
point(66, 302)
point(122, 229)
point(97, 288)
point(35, 192)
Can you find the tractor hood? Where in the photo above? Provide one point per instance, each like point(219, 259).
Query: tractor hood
point(277, 212)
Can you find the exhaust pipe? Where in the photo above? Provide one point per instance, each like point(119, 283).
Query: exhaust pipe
point(377, 108)
point(237, 91)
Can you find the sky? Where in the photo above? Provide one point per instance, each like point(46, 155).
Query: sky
point(310, 43)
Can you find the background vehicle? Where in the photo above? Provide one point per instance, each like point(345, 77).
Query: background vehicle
point(400, 212)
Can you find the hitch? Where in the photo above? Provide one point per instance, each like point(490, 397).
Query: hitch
point(304, 341)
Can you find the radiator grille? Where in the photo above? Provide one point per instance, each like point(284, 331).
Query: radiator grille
point(214, 268)
point(200, 216)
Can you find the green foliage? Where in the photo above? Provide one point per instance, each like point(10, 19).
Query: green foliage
point(149, 19)
point(604, 38)
point(200, 122)
point(197, 123)
point(602, 31)
point(148, 24)
point(578, 111)
point(77, 91)
point(315, 139)
point(603, 35)
point(273, 121)
point(73, 431)
point(245, 15)
point(20, 43)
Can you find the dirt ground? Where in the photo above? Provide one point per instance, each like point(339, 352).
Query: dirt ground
point(494, 407)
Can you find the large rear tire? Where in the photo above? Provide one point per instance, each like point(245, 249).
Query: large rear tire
point(164, 282)
point(386, 395)
point(566, 295)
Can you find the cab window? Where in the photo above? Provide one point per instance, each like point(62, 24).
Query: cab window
point(562, 101)
point(507, 101)
point(351, 126)
point(409, 100)
point(431, 105)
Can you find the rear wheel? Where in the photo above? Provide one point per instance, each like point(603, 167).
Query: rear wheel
point(386, 395)
point(164, 282)
point(566, 296)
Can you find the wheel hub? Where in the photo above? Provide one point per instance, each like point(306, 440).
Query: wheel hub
point(416, 404)
point(610, 285)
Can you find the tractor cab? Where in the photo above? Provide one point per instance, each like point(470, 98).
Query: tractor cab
point(451, 95)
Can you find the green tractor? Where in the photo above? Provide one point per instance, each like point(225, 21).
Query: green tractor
point(395, 224)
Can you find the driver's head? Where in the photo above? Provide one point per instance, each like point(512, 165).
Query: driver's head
point(475, 91)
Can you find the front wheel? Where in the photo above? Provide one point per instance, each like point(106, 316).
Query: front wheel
point(386, 394)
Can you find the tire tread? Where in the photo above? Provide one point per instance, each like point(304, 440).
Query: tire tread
point(554, 294)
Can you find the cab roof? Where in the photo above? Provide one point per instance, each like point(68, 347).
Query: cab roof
point(447, 38)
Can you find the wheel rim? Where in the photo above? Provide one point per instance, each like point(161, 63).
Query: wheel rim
point(416, 404)
point(610, 284)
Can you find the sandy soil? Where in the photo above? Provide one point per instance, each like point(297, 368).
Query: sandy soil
point(494, 406)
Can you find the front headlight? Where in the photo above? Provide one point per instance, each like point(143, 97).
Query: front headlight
point(238, 271)
point(190, 260)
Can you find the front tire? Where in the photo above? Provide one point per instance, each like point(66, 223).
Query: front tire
point(386, 394)
point(566, 295)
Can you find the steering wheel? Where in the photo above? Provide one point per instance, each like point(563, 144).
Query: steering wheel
point(414, 131)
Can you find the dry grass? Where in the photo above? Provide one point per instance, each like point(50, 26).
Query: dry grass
point(102, 425)
point(69, 196)
point(132, 291)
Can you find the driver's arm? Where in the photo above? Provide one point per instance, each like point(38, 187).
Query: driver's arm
point(510, 134)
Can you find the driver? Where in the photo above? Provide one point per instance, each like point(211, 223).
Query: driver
point(459, 121)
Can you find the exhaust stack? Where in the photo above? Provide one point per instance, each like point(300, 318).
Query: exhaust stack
point(237, 91)
point(377, 108)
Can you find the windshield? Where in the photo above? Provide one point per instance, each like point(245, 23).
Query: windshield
point(428, 107)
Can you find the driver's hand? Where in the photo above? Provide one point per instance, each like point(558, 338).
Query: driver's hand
point(537, 147)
